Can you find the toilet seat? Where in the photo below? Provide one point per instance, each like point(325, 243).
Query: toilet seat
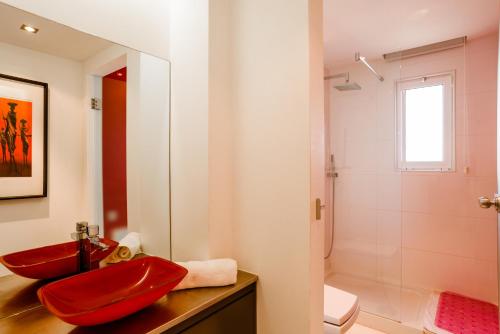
point(341, 310)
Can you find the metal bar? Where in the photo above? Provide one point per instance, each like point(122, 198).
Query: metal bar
point(426, 49)
point(363, 60)
point(344, 75)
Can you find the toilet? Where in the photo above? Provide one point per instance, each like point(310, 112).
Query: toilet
point(341, 309)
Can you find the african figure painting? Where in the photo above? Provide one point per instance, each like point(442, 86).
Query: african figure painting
point(15, 137)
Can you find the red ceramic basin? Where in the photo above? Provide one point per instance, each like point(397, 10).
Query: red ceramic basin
point(111, 293)
point(52, 261)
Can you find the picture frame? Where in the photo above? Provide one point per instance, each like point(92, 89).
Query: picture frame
point(23, 138)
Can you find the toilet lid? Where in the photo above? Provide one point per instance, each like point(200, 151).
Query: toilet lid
point(339, 305)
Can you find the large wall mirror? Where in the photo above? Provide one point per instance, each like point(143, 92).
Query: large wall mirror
point(107, 148)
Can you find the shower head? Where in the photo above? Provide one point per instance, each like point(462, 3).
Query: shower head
point(348, 86)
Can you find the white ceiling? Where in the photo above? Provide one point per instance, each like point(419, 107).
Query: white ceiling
point(53, 38)
point(375, 27)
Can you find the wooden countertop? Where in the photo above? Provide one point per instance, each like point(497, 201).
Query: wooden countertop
point(20, 311)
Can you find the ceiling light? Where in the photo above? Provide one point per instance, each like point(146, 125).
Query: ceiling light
point(423, 11)
point(30, 29)
point(120, 74)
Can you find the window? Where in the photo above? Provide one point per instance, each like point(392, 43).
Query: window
point(425, 123)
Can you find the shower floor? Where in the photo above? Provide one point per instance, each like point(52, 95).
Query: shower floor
point(385, 300)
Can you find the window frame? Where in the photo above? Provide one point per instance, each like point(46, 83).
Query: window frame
point(447, 80)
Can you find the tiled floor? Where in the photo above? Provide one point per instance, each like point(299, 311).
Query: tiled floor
point(358, 329)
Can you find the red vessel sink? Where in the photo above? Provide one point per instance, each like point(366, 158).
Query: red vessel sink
point(52, 261)
point(111, 293)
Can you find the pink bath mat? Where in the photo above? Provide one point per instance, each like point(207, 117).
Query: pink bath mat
point(463, 315)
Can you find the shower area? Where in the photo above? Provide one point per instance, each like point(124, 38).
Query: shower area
point(397, 231)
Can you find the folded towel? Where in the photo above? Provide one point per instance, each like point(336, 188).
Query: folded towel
point(127, 248)
point(219, 272)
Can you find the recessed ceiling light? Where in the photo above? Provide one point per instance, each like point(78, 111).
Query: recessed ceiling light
point(120, 74)
point(423, 11)
point(30, 29)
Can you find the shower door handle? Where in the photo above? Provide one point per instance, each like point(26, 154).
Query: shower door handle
point(319, 207)
point(486, 203)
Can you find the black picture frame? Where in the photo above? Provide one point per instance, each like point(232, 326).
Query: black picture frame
point(45, 87)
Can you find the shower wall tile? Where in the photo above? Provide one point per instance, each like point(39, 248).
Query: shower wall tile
point(440, 233)
point(482, 113)
point(386, 115)
point(355, 257)
point(362, 225)
point(362, 190)
point(481, 64)
point(438, 272)
point(389, 227)
point(485, 232)
point(388, 194)
point(485, 275)
point(416, 191)
point(361, 155)
point(417, 230)
point(386, 157)
point(482, 155)
point(447, 190)
point(389, 265)
point(461, 153)
point(389, 246)
point(460, 118)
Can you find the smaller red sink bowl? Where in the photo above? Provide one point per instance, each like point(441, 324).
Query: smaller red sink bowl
point(52, 261)
point(111, 293)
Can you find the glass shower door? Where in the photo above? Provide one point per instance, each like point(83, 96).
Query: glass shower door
point(366, 192)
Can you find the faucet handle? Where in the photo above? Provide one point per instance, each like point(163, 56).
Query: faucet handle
point(93, 230)
point(94, 237)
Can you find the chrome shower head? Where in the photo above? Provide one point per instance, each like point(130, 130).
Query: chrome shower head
point(348, 86)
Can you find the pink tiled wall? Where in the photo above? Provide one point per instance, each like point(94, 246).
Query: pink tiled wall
point(449, 242)
point(422, 230)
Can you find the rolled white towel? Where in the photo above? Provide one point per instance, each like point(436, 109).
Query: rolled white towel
point(127, 248)
point(218, 272)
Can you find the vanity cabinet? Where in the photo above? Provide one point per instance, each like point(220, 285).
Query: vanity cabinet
point(235, 314)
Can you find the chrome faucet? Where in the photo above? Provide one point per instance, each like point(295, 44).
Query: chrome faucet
point(87, 237)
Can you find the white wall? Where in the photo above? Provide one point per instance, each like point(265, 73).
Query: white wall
point(190, 117)
point(241, 148)
point(29, 223)
point(220, 134)
point(202, 146)
point(317, 165)
point(271, 103)
point(142, 25)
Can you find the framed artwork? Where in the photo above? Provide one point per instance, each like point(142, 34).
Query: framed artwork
point(23, 138)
